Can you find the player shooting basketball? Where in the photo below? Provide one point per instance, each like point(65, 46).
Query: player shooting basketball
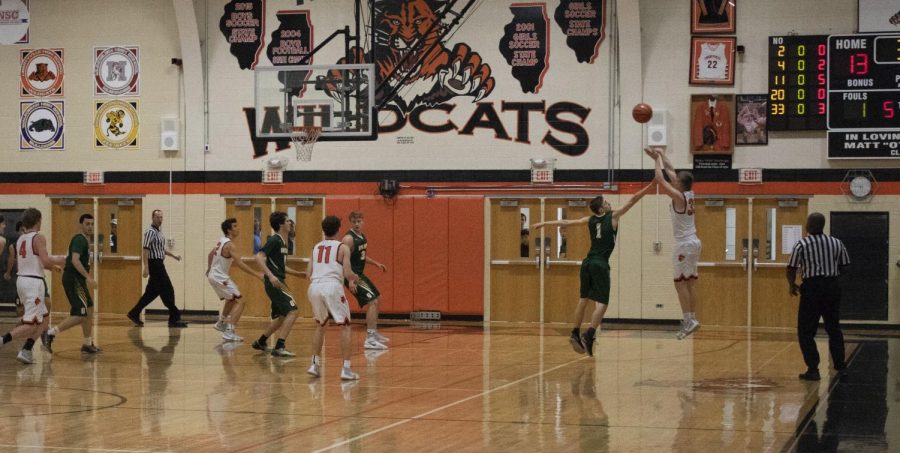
point(686, 251)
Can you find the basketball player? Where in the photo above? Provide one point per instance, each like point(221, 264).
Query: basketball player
point(328, 267)
point(271, 259)
point(686, 251)
point(78, 283)
point(603, 226)
point(367, 294)
point(30, 285)
point(218, 266)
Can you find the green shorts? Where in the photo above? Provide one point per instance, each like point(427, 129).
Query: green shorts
point(282, 301)
point(595, 280)
point(78, 294)
point(365, 290)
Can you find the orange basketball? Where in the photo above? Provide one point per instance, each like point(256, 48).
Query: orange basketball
point(642, 113)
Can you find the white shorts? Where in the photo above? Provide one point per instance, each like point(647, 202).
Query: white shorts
point(224, 288)
point(327, 300)
point(32, 293)
point(685, 257)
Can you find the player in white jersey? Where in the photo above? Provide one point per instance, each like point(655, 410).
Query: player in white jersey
point(217, 272)
point(30, 285)
point(712, 65)
point(686, 251)
point(328, 266)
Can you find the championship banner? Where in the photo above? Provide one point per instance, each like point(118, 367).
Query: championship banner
point(525, 45)
point(116, 124)
point(584, 24)
point(41, 125)
point(41, 73)
point(243, 25)
point(292, 40)
point(14, 22)
point(117, 71)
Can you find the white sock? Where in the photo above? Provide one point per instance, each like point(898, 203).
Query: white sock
point(53, 331)
point(370, 332)
point(687, 316)
point(316, 360)
point(221, 318)
point(347, 364)
point(88, 341)
point(229, 326)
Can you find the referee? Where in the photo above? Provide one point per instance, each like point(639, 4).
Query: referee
point(159, 285)
point(821, 258)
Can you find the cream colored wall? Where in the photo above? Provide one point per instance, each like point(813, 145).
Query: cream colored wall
point(77, 26)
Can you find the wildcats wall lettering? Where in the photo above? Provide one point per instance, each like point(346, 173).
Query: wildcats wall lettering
point(559, 125)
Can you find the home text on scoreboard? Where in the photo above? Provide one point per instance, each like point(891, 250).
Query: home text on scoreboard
point(797, 91)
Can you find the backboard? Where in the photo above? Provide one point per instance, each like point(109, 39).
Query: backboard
point(338, 98)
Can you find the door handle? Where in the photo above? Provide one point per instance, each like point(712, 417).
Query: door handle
point(537, 262)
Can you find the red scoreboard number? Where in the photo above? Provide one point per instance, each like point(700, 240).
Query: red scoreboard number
point(797, 83)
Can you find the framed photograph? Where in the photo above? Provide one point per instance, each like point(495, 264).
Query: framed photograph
point(712, 124)
point(750, 119)
point(712, 60)
point(713, 16)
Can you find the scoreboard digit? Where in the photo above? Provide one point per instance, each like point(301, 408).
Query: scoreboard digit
point(797, 83)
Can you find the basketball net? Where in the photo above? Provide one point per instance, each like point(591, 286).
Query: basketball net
point(304, 139)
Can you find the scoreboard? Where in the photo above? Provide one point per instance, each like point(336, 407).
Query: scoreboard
point(864, 96)
point(797, 83)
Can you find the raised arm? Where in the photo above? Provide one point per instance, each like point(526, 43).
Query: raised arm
point(666, 186)
point(633, 201)
point(239, 261)
point(562, 222)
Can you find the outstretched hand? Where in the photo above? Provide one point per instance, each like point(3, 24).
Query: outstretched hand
point(537, 226)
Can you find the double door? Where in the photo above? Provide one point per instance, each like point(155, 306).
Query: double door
point(115, 248)
point(252, 215)
point(747, 242)
point(534, 274)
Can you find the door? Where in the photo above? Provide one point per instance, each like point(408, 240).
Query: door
point(119, 227)
point(515, 260)
point(722, 224)
point(562, 261)
point(864, 284)
point(772, 304)
point(252, 215)
point(64, 216)
point(307, 214)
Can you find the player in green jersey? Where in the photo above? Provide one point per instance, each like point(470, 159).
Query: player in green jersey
point(367, 294)
point(271, 259)
point(603, 226)
point(78, 284)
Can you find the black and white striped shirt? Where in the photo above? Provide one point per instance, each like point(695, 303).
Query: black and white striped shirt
point(819, 255)
point(155, 243)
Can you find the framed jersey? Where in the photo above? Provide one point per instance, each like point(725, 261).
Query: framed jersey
point(712, 60)
point(713, 16)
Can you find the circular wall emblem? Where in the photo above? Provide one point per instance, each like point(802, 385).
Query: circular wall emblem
point(116, 71)
point(116, 124)
point(41, 125)
point(42, 72)
point(13, 21)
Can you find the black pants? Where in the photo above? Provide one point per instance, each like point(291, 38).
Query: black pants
point(159, 285)
point(820, 297)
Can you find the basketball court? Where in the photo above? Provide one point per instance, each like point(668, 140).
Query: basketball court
point(442, 386)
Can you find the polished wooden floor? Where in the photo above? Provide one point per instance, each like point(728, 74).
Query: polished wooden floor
point(446, 388)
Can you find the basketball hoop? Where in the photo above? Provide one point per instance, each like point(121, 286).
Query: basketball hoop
point(304, 139)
